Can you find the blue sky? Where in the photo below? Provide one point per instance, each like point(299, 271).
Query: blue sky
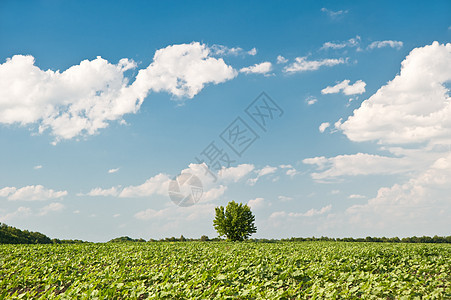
point(102, 104)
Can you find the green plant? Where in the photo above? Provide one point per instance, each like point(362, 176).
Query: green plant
point(236, 222)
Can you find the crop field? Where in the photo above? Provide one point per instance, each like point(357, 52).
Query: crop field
point(221, 270)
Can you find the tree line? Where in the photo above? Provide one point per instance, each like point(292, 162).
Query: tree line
point(12, 235)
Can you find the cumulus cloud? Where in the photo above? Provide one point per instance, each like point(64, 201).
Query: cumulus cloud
point(281, 59)
point(323, 126)
point(256, 203)
point(252, 52)
point(31, 193)
point(114, 191)
point(409, 117)
point(52, 207)
point(235, 173)
point(262, 172)
point(388, 43)
point(25, 212)
point(311, 100)
point(284, 198)
point(159, 184)
point(183, 70)
point(261, 68)
point(86, 97)
point(37, 167)
point(19, 212)
point(301, 64)
point(289, 170)
point(348, 89)
point(111, 171)
point(176, 214)
point(155, 185)
point(310, 213)
point(357, 164)
point(407, 207)
point(416, 103)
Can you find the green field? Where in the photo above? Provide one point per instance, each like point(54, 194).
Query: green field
point(208, 270)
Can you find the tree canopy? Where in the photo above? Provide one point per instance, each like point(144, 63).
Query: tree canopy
point(236, 221)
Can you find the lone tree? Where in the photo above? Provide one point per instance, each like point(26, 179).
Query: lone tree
point(236, 222)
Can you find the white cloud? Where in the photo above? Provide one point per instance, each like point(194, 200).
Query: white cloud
point(290, 170)
point(235, 173)
point(353, 42)
point(183, 70)
point(116, 215)
point(86, 97)
point(284, 198)
point(410, 117)
point(157, 184)
point(151, 214)
point(310, 213)
point(175, 214)
point(357, 88)
point(262, 172)
point(311, 100)
point(252, 52)
point(334, 14)
point(358, 164)
point(256, 203)
point(416, 103)
point(302, 64)
point(37, 167)
point(261, 68)
point(388, 43)
point(281, 59)
point(323, 126)
point(52, 207)
point(213, 193)
point(408, 207)
point(110, 171)
point(356, 196)
point(18, 213)
point(221, 50)
point(31, 193)
point(114, 191)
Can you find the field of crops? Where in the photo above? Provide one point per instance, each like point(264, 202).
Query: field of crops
point(208, 270)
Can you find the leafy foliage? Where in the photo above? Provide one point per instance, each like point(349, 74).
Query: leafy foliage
point(224, 270)
point(12, 235)
point(124, 239)
point(236, 222)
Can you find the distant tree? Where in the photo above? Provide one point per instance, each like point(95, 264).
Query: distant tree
point(204, 238)
point(182, 238)
point(236, 222)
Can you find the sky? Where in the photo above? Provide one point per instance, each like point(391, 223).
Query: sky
point(138, 118)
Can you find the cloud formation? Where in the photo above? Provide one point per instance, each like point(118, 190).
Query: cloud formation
point(31, 193)
point(301, 64)
point(387, 43)
point(86, 97)
point(353, 42)
point(348, 89)
point(261, 68)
